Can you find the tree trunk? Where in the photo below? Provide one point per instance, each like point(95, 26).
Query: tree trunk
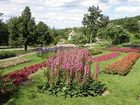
point(25, 47)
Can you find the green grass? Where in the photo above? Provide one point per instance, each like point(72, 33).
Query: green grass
point(123, 90)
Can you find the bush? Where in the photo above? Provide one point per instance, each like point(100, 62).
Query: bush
point(6, 89)
point(94, 52)
point(68, 74)
point(7, 54)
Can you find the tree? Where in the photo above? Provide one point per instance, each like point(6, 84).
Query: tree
point(131, 24)
point(115, 34)
point(4, 35)
point(15, 38)
point(79, 39)
point(93, 21)
point(27, 27)
point(42, 34)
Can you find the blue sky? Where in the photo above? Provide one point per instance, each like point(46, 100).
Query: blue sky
point(68, 13)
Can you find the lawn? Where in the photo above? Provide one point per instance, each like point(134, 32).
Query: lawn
point(123, 89)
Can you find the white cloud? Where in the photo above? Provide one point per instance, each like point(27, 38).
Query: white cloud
point(62, 13)
point(128, 9)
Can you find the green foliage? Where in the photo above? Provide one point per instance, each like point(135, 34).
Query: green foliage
point(132, 24)
point(59, 86)
point(94, 21)
point(94, 51)
point(44, 55)
point(43, 36)
point(4, 35)
point(27, 27)
point(6, 89)
point(7, 54)
point(79, 39)
point(114, 34)
point(15, 38)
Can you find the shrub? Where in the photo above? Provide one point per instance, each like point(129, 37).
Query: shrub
point(122, 66)
point(6, 89)
point(94, 52)
point(7, 54)
point(68, 74)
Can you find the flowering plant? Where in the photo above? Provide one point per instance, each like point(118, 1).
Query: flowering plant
point(19, 76)
point(69, 74)
point(125, 49)
point(13, 62)
point(124, 65)
point(105, 57)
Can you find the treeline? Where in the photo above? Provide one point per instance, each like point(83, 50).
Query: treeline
point(132, 24)
point(22, 31)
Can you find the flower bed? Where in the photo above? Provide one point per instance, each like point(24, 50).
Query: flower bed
point(124, 65)
point(18, 77)
point(41, 52)
point(14, 62)
point(69, 74)
point(106, 57)
point(125, 49)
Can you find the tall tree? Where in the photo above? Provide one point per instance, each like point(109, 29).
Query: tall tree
point(42, 34)
point(93, 21)
point(4, 35)
point(27, 26)
point(15, 38)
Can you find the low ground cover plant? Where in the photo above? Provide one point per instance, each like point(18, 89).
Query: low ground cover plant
point(12, 62)
point(106, 57)
point(122, 66)
point(7, 54)
point(69, 74)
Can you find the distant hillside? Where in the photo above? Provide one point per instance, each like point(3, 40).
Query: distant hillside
point(121, 20)
point(132, 24)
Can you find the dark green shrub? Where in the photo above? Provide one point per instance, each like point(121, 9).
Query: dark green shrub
point(7, 54)
point(7, 89)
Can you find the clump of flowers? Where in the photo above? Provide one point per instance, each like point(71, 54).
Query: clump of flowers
point(106, 57)
point(69, 74)
point(124, 65)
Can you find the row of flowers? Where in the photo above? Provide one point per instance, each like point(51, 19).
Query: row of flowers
point(106, 57)
point(124, 65)
point(125, 49)
point(19, 76)
point(13, 62)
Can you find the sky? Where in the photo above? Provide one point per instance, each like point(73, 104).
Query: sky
point(68, 13)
